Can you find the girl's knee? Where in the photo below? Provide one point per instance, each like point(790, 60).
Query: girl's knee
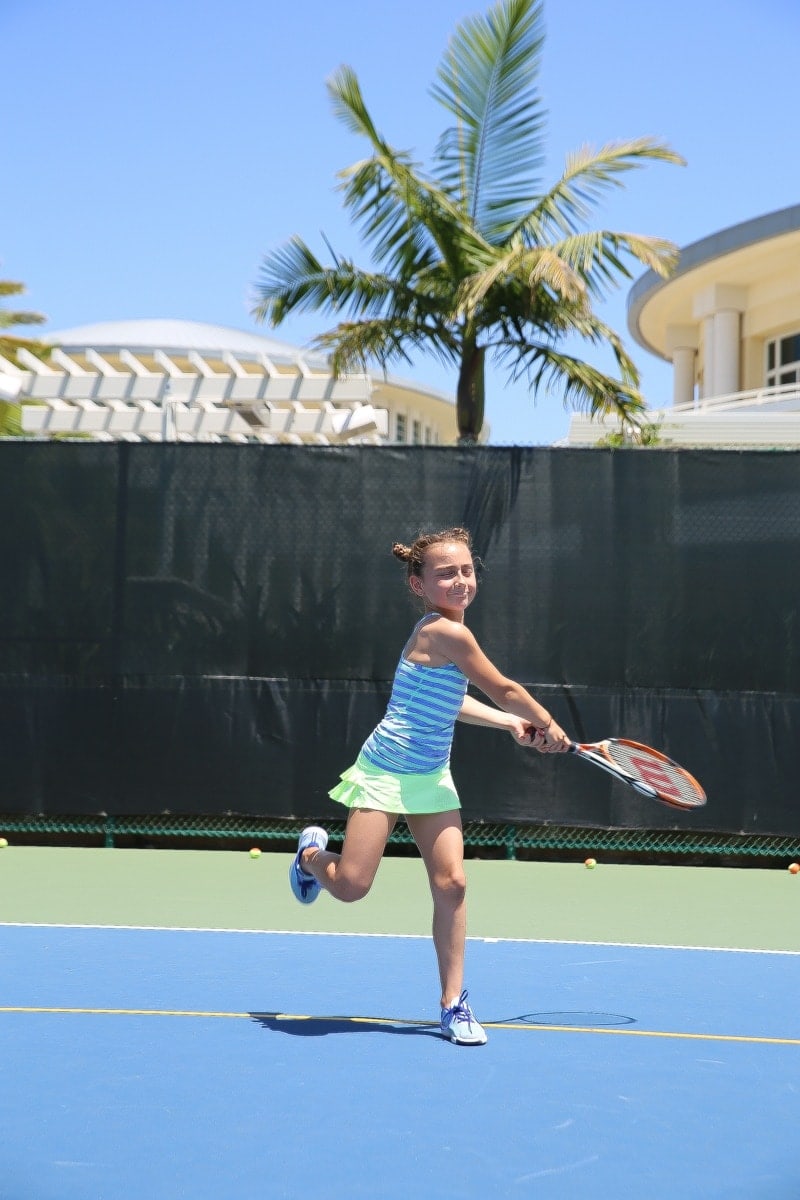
point(349, 890)
point(450, 886)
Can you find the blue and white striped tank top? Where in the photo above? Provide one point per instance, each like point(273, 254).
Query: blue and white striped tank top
point(416, 732)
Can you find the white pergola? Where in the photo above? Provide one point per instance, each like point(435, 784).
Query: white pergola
point(136, 394)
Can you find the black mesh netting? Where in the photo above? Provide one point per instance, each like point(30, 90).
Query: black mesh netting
point(203, 629)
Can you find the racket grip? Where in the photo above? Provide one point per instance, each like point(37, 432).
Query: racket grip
point(571, 749)
point(534, 729)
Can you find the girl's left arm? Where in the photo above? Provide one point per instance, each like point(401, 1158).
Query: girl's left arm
point(455, 642)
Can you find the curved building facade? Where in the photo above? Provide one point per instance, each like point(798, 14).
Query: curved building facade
point(728, 320)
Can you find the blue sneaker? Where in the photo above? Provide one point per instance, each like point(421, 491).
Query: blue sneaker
point(305, 886)
point(459, 1025)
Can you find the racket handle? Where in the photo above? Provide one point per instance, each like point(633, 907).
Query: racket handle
point(534, 729)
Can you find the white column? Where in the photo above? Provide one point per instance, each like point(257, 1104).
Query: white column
point(726, 352)
point(683, 375)
point(681, 346)
point(709, 387)
point(719, 307)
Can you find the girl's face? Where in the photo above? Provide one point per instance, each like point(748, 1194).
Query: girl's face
point(447, 582)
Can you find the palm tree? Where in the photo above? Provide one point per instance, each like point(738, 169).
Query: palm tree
point(11, 410)
point(10, 344)
point(474, 257)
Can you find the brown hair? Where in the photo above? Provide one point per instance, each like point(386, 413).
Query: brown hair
point(414, 555)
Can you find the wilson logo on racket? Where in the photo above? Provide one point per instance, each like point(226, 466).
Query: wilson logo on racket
point(652, 773)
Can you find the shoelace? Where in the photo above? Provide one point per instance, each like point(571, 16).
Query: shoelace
point(304, 878)
point(460, 1011)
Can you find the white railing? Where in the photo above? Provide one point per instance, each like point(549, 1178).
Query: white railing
point(786, 397)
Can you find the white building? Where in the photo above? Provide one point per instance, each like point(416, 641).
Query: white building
point(153, 380)
point(729, 322)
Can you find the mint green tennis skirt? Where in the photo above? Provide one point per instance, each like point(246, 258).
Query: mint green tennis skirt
point(366, 786)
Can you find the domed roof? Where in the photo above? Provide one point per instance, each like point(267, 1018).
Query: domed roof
point(177, 337)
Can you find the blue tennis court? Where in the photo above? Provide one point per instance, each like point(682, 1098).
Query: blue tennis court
point(166, 1063)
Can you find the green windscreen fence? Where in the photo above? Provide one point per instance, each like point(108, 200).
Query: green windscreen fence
point(198, 632)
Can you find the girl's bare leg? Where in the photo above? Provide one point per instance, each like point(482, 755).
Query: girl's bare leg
point(441, 844)
point(348, 876)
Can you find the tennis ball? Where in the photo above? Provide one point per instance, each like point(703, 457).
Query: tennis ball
point(591, 863)
point(794, 868)
point(3, 843)
point(255, 852)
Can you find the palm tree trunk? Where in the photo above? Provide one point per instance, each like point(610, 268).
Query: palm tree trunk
point(470, 395)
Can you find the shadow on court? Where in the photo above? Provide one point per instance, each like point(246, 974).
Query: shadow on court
point(570, 1020)
point(320, 1026)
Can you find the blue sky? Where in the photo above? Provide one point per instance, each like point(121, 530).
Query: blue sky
point(154, 151)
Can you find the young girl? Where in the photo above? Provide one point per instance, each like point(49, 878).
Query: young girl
point(404, 765)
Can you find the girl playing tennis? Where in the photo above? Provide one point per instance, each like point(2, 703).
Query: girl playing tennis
point(404, 765)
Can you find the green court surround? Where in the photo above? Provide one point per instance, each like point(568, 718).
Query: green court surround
point(746, 908)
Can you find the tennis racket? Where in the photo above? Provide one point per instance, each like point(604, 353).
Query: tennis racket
point(647, 771)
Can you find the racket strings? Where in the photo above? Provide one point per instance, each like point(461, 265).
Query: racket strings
point(668, 779)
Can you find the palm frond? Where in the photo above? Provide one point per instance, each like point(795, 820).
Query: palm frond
point(9, 319)
point(489, 160)
point(551, 320)
point(577, 267)
point(406, 228)
point(582, 385)
point(355, 344)
point(658, 254)
point(600, 257)
point(592, 329)
point(385, 191)
point(587, 175)
point(292, 279)
point(10, 419)
point(11, 345)
point(531, 268)
point(407, 220)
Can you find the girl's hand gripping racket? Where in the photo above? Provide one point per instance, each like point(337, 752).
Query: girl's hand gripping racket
point(646, 770)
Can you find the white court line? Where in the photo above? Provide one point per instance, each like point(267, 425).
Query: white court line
point(405, 936)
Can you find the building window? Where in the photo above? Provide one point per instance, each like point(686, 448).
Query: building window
point(400, 427)
point(416, 437)
point(783, 360)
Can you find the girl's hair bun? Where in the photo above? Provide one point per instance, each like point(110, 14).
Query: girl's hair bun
point(402, 552)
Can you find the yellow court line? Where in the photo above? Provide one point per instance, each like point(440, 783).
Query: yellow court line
point(388, 1021)
point(125, 1012)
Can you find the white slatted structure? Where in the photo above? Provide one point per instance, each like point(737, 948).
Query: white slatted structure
point(764, 418)
point(179, 380)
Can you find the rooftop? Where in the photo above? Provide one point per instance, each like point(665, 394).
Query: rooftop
point(176, 337)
